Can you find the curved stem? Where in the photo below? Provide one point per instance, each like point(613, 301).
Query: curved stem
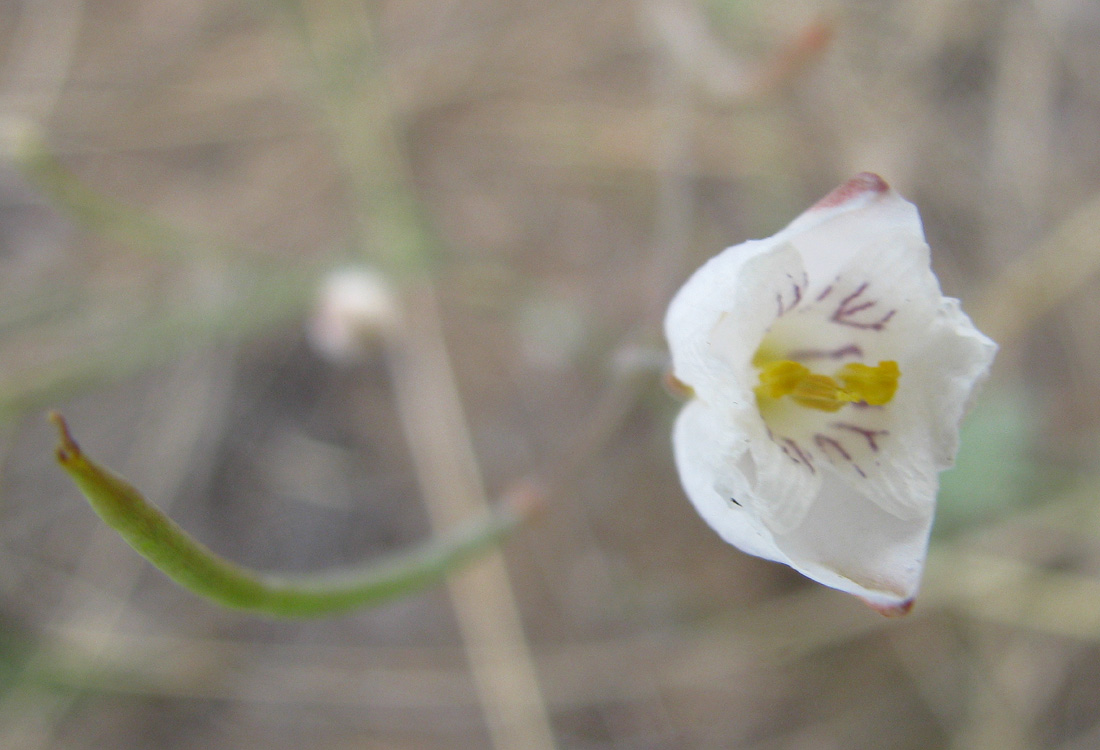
point(106, 217)
point(194, 566)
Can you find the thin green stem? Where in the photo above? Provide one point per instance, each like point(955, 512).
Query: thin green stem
point(100, 214)
point(259, 292)
point(194, 566)
point(341, 54)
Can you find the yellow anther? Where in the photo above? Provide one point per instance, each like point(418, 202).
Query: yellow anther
point(872, 385)
point(779, 378)
point(858, 383)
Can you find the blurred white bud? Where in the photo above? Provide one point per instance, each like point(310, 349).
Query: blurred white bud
point(356, 308)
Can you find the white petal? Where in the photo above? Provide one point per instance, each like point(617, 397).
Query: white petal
point(716, 320)
point(849, 543)
point(785, 481)
point(939, 375)
point(707, 450)
point(957, 356)
point(861, 213)
point(715, 325)
point(845, 541)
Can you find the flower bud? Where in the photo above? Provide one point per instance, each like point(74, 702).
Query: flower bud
point(356, 309)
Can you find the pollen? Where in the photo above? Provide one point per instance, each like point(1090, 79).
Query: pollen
point(854, 383)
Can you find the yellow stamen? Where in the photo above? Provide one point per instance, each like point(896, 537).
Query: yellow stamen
point(859, 383)
point(873, 385)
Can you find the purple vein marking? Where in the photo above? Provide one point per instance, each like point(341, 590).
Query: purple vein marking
point(798, 455)
point(797, 289)
point(824, 442)
point(846, 309)
point(851, 350)
point(797, 295)
point(869, 435)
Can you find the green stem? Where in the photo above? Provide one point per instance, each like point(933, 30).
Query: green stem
point(260, 294)
point(341, 53)
point(98, 213)
point(194, 566)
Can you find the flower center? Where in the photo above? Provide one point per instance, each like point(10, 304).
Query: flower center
point(853, 383)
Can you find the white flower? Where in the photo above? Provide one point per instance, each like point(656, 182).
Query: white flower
point(829, 376)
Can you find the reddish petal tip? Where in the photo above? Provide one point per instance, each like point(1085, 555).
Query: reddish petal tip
point(677, 388)
point(893, 610)
point(864, 183)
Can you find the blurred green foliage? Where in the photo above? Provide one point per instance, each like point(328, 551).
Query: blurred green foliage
point(997, 470)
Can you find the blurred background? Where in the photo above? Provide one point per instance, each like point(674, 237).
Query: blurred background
point(576, 161)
